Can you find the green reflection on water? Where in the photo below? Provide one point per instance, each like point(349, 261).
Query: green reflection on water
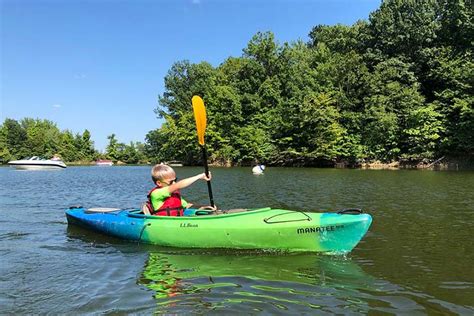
point(280, 279)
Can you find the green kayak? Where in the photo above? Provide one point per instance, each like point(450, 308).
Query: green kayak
point(264, 228)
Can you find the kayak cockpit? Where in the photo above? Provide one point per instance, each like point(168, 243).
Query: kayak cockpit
point(196, 213)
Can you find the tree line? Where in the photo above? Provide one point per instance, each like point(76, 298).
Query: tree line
point(395, 87)
point(37, 137)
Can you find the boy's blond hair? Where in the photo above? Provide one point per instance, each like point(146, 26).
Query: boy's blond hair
point(160, 171)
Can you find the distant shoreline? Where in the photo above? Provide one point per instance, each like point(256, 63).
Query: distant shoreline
point(448, 164)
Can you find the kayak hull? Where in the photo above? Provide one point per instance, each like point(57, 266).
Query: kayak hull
point(266, 228)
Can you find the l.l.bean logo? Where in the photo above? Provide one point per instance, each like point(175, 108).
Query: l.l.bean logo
point(188, 225)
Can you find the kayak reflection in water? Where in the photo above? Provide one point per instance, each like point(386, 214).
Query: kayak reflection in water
point(236, 277)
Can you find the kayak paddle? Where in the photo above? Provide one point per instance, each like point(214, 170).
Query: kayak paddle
point(200, 117)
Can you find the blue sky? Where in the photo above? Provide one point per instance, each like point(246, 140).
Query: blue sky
point(100, 64)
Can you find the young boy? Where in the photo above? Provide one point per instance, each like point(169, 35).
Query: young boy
point(165, 199)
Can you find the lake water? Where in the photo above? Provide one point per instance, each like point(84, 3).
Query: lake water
point(416, 259)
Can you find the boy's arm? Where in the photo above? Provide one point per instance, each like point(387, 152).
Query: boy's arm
point(187, 182)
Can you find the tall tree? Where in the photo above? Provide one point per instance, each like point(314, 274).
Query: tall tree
point(15, 138)
point(112, 149)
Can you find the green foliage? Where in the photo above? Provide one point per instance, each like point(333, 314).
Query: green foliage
point(457, 23)
point(68, 148)
point(14, 138)
point(112, 149)
point(393, 94)
point(133, 153)
point(403, 27)
point(320, 133)
point(398, 86)
point(423, 132)
point(82, 146)
point(340, 38)
point(36, 137)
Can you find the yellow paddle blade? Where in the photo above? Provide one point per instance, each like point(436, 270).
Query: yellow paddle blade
point(200, 117)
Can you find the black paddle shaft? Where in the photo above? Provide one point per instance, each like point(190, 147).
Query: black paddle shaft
point(206, 169)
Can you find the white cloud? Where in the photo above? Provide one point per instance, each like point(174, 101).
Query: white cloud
point(80, 76)
point(56, 106)
point(196, 1)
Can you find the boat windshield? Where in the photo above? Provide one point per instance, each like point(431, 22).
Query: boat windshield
point(37, 158)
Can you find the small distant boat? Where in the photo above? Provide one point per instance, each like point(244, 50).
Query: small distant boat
point(258, 169)
point(37, 163)
point(104, 162)
point(175, 163)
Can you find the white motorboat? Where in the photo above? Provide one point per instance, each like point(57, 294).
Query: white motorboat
point(37, 163)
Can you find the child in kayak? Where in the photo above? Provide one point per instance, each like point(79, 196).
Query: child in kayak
point(165, 199)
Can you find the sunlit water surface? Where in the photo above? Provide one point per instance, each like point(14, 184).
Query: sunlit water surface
point(416, 259)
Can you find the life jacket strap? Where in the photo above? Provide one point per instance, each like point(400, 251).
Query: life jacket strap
point(168, 210)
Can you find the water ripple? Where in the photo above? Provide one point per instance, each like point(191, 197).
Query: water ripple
point(13, 235)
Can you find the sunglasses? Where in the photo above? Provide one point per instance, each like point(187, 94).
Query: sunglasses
point(171, 181)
